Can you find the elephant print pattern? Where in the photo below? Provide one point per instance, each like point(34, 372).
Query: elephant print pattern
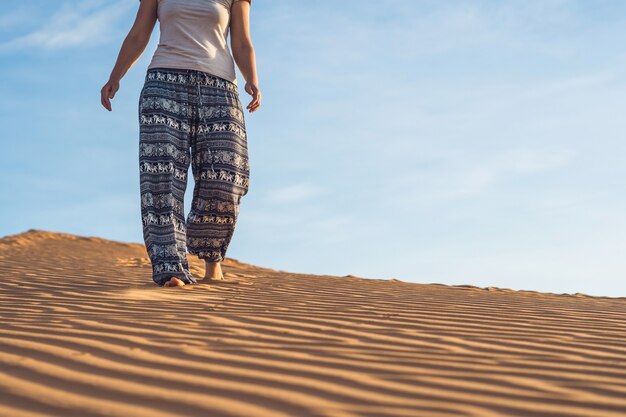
point(190, 117)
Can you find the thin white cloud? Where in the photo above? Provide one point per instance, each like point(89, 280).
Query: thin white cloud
point(294, 193)
point(301, 226)
point(454, 180)
point(73, 24)
point(570, 84)
point(530, 161)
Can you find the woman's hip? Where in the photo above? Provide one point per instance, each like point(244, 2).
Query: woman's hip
point(190, 77)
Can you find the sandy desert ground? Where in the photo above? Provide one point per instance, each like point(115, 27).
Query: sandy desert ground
point(85, 332)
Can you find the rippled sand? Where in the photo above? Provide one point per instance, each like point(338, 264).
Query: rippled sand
point(85, 332)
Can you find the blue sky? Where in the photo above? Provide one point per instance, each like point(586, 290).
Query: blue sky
point(456, 142)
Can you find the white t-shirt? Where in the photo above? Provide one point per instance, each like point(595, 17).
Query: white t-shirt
point(193, 36)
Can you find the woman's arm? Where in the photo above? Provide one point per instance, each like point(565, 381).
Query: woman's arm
point(132, 48)
point(243, 51)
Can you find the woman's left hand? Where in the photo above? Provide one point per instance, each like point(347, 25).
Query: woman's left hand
point(253, 90)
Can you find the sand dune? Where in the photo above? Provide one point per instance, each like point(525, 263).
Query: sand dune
point(85, 332)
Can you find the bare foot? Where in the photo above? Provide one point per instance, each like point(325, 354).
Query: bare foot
point(174, 282)
point(213, 271)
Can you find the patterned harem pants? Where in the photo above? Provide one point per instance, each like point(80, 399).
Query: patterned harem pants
point(189, 116)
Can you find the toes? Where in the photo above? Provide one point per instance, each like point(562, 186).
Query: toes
point(174, 282)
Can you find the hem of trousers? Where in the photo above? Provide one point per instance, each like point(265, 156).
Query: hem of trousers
point(212, 260)
point(204, 258)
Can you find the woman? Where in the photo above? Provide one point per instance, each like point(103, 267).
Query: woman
point(190, 113)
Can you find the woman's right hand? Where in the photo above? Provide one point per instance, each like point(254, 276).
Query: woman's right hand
point(108, 92)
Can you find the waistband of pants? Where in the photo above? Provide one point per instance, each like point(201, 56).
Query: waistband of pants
point(190, 77)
